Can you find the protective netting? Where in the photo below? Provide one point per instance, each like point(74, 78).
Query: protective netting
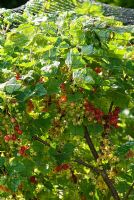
point(125, 15)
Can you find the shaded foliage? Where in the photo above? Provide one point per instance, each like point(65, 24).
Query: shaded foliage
point(12, 3)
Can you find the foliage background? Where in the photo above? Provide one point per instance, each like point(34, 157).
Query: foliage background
point(123, 3)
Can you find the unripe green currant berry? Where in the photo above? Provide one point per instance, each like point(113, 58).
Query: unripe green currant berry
point(20, 117)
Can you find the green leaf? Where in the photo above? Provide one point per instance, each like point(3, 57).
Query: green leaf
point(87, 50)
point(95, 128)
point(126, 177)
point(53, 85)
point(39, 90)
point(75, 130)
point(10, 86)
point(14, 183)
point(68, 149)
point(43, 49)
point(122, 186)
point(123, 149)
point(74, 59)
point(83, 78)
point(2, 161)
point(40, 40)
point(118, 97)
point(16, 39)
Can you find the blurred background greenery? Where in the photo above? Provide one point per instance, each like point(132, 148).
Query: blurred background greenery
point(123, 3)
point(11, 3)
point(16, 3)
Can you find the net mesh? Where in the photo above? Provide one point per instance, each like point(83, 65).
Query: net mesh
point(125, 15)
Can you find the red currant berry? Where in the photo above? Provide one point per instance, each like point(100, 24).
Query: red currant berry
point(16, 128)
point(41, 80)
point(62, 87)
point(13, 120)
point(58, 168)
point(116, 111)
point(72, 104)
point(19, 132)
point(33, 179)
point(63, 99)
point(65, 166)
point(98, 70)
point(7, 138)
point(13, 137)
point(116, 126)
point(18, 77)
point(22, 150)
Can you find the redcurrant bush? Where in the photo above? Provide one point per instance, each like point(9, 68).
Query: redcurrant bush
point(66, 104)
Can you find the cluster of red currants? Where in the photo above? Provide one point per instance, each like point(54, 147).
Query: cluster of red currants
point(13, 137)
point(22, 150)
point(18, 130)
point(63, 166)
point(8, 138)
point(95, 113)
point(112, 117)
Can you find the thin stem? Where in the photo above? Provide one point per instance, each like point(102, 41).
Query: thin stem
point(40, 140)
point(106, 179)
point(111, 106)
point(90, 144)
point(81, 162)
point(76, 160)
